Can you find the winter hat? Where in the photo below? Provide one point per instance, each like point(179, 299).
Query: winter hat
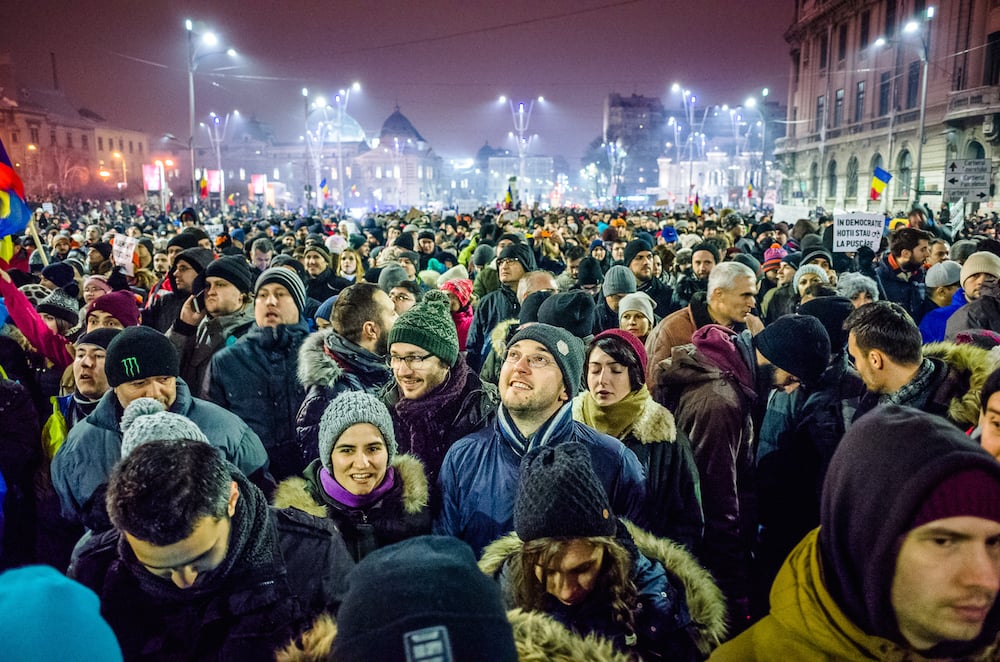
point(831, 313)
point(573, 311)
point(962, 249)
point(559, 495)
point(35, 293)
point(637, 347)
point(197, 258)
point(815, 252)
point(391, 276)
point(61, 305)
point(596, 243)
point(637, 301)
point(99, 337)
point(530, 306)
point(233, 269)
point(707, 247)
point(146, 419)
point(565, 348)
point(520, 252)
point(483, 255)
point(336, 244)
point(429, 325)
point(421, 599)
point(121, 305)
point(428, 277)
point(286, 278)
point(325, 309)
point(98, 281)
point(681, 224)
point(59, 273)
point(749, 261)
point(140, 352)
point(943, 274)
point(287, 261)
point(798, 344)
point(810, 269)
point(356, 241)
point(589, 272)
point(425, 234)
point(458, 272)
point(351, 408)
point(669, 234)
point(969, 493)
point(633, 248)
point(793, 259)
point(773, 257)
point(619, 280)
point(461, 288)
point(980, 263)
point(184, 240)
point(319, 249)
point(47, 616)
point(104, 248)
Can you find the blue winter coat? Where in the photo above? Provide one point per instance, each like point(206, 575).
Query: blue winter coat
point(257, 379)
point(934, 325)
point(480, 474)
point(93, 446)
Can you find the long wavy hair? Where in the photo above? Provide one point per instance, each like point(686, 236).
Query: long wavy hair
point(614, 581)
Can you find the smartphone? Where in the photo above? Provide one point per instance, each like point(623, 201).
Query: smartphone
point(198, 301)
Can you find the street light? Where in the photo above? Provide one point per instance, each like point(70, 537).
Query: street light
point(210, 40)
point(314, 139)
point(521, 117)
point(689, 101)
point(341, 99)
point(752, 103)
point(118, 155)
point(216, 129)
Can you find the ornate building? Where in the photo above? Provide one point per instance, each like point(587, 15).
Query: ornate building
point(401, 170)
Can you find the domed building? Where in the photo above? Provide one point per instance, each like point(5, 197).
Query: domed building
point(401, 170)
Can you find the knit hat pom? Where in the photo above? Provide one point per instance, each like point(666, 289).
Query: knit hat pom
point(140, 407)
point(437, 297)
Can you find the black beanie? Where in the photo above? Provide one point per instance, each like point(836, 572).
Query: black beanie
point(589, 272)
point(184, 240)
point(234, 269)
point(831, 313)
point(565, 348)
point(633, 248)
point(559, 495)
point(520, 252)
point(798, 344)
point(101, 337)
point(530, 306)
point(706, 246)
point(420, 595)
point(140, 352)
point(573, 311)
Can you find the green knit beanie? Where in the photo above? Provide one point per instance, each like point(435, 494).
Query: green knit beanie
point(429, 325)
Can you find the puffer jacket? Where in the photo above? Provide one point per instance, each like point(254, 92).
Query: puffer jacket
point(84, 462)
point(673, 492)
point(403, 512)
point(330, 365)
point(493, 309)
point(480, 472)
point(680, 613)
point(197, 344)
point(257, 379)
point(325, 285)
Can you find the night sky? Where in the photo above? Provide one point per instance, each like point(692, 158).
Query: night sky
point(443, 63)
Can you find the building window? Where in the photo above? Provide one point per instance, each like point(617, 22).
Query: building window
point(100, 143)
point(33, 132)
point(130, 150)
point(69, 140)
point(796, 64)
point(121, 145)
point(842, 43)
point(84, 142)
point(859, 101)
point(851, 186)
point(378, 172)
point(814, 180)
point(904, 173)
point(824, 49)
point(864, 30)
point(912, 84)
point(820, 111)
point(890, 18)
point(838, 107)
point(14, 138)
point(140, 148)
point(277, 174)
point(831, 179)
point(884, 93)
point(991, 70)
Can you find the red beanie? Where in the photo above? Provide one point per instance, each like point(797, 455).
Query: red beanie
point(120, 304)
point(630, 340)
point(969, 493)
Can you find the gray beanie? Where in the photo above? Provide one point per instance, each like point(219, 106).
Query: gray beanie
point(483, 255)
point(619, 280)
point(146, 419)
point(810, 269)
point(565, 348)
point(349, 409)
point(638, 301)
point(288, 279)
point(391, 276)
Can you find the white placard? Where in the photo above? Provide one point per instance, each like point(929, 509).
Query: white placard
point(854, 230)
point(122, 251)
point(789, 214)
point(47, 207)
point(213, 230)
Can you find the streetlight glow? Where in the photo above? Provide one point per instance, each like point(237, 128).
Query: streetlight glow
point(188, 25)
point(911, 27)
point(305, 91)
point(209, 39)
point(231, 52)
point(502, 99)
point(356, 86)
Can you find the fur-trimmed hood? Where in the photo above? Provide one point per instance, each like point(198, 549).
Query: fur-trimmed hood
point(498, 336)
point(655, 424)
point(972, 363)
point(538, 638)
point(315, 367)
point(294, 493)
point(705, 601)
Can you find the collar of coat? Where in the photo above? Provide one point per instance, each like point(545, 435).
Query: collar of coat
point(655, 424)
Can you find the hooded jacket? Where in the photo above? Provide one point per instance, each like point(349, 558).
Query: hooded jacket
point(197, 344)
point(678, 602)
point(84, 461)
point(902, 287)
point(493, 309)
point(401, 513)
point(983, 313)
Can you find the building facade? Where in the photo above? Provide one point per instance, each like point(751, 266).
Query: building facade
point(857, 99)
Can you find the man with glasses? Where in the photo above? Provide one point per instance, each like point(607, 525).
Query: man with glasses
point(405, 295)
point(435, 398)
point(513, 263)
point(542, 371)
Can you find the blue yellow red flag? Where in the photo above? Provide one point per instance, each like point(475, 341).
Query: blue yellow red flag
point(880, 178)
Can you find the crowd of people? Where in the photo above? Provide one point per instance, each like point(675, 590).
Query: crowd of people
point(523, 434)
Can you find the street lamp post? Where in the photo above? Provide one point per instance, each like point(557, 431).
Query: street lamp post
point(521, 118)
point(752, 103)
point(193, 60)
point(121, 157)
point(216, 130)
point(342, 98)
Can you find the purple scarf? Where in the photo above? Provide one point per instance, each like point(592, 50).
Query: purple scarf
point(337, 492)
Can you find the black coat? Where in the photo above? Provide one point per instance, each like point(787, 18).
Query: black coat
point(494, 308)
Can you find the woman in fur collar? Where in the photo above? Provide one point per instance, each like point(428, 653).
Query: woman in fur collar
point(618, 403)
point(375, 496)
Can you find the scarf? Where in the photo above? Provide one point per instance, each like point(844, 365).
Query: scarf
point(915, 393)
point(550, 428)
point(618, 418)
point(252, 551)
point(336, 491)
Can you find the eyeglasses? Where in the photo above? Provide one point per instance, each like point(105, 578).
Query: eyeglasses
point(401, 297)
point(535, 361)
point(412, 362)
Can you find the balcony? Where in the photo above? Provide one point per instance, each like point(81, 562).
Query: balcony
point(971, 103)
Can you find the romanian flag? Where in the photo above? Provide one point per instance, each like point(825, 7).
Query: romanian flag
point(231, 200)
point(880, 178)
point(696, 208)
point(14, 214)
point(326, 189)
point(203, 187)
point(508, 198)
point(750, 190)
